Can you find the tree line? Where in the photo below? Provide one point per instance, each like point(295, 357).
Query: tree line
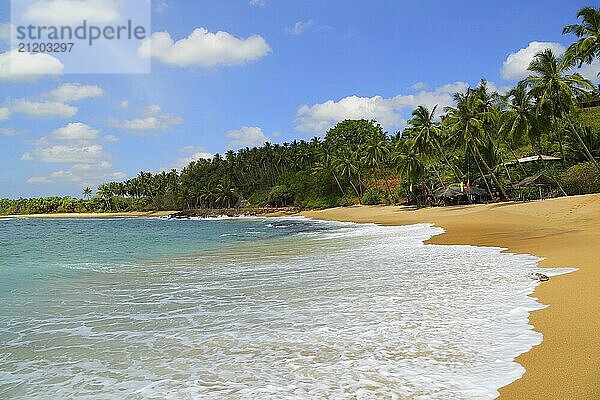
point(357, 161)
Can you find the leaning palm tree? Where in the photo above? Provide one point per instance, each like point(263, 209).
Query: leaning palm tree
point(87, 193)
point(587, 48)
point(348, 166)
point(555, 90)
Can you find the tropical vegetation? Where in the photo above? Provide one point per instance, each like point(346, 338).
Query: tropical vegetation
point(472, 141)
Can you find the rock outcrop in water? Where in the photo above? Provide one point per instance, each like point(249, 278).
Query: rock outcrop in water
point(235, 212)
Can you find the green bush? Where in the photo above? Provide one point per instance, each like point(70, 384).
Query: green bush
point(582, 178)
point(280, 195)
point(372, 196)
point(321, 203)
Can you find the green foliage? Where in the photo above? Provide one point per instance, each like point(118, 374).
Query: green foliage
point(372, 197)
point(591, 118)
point(471, 141)
point(321, 203)
point(583, 178)
point(281, 195)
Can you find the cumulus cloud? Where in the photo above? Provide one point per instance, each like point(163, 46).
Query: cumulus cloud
point(72, 12)
point(70, 92)
point(204, 49)
point(42, 109)
point(27, 67)
point(76, 131)
point(153, 119)
point(389, 112)
point(69, 154)
point(192, 153)
point(246, 136)
point(516, 64)
point(299, 27)
point(85, 178)
point(124, 105)
point(258, 3)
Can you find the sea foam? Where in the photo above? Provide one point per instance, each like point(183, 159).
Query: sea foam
point(328, 311)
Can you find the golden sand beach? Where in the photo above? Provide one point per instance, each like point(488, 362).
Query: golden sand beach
point(566, 233)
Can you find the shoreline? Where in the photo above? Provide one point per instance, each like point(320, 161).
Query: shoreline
point(130, 214)
point(562, 231)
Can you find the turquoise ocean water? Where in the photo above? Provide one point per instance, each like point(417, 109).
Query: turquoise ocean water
point(255, 309)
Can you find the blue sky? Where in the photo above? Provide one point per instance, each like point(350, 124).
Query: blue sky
point(284, 70)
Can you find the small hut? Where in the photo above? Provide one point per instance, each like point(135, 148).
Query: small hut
point(540, 181)
point(455, 195)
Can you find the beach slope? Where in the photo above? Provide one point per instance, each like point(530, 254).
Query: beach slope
point(564, 231)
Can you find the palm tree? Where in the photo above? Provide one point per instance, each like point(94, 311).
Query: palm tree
point(346, 164)
point(520, 121)
point(555, 90)
point(466, 121)
point(426, 134)
point(587, 48)
point(87, 193)
point(408, 163)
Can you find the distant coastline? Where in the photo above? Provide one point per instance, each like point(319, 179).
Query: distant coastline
point(131, 214)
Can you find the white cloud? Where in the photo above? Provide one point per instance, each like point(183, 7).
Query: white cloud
point(4, 113)
point(153, 119)
point(10, 132)
point(42, 109)
point(102, 165)
point(91, 176)
point(72, 12)
point(320, 117)
point(26, 157)
point(76, 131)
point(70, 154)
point(590, 71)
point(204, 49)
point(38, 180)
point(124, 105)
point(246, 136)
point(299, 27)
point(74, 92)
point(28, 67)
point(111, 138)
point(258, 3)
point(516, 64)
point(193, 154)
point(418, 86)
point(160, 6)
point(387, 111)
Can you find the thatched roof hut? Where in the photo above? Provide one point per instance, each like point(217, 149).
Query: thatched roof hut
point(536, 180)
point(458, 195)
